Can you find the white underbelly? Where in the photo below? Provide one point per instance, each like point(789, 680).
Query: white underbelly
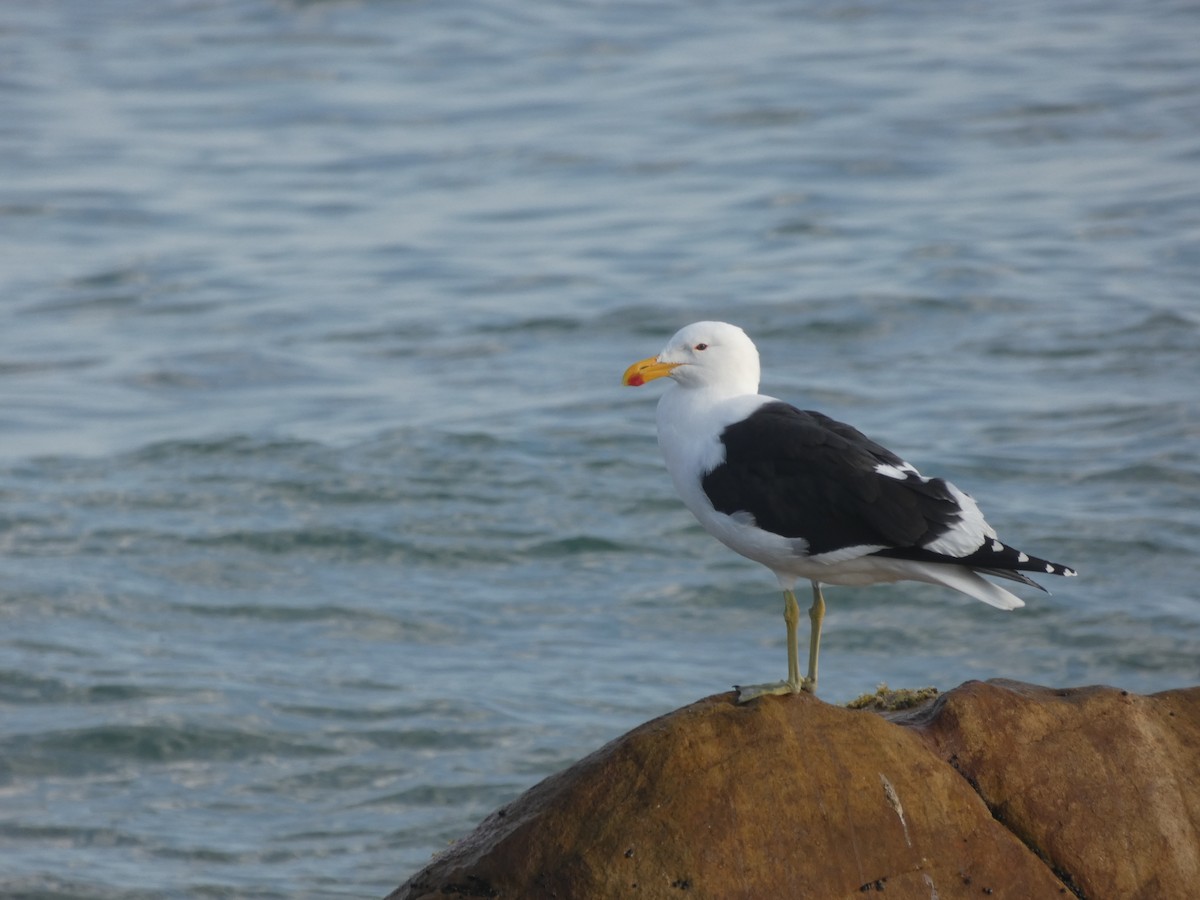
point(788, 558)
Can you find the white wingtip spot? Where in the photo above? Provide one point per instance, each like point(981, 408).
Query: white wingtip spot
point(1022, 557)
point(997, 546)
point(1049, 568)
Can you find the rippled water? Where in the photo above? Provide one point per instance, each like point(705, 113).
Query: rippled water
point(326, 527)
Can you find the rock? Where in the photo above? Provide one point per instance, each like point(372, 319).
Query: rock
point(995, 789)
point(1101, 783)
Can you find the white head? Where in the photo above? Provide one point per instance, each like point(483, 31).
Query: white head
point(713, 355)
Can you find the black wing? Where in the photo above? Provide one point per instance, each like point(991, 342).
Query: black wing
point(804, 475)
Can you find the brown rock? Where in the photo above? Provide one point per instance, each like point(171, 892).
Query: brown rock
point(786, 797)
point(1103, 784)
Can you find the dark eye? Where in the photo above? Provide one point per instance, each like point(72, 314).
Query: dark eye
point(701, 347)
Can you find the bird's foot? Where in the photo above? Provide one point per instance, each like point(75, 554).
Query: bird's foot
point(753, 691)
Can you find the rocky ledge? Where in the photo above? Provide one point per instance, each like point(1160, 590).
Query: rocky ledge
point(995, 789)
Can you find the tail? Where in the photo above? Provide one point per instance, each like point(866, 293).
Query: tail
point(993, 558)
point(957, 577)
point(968, 581)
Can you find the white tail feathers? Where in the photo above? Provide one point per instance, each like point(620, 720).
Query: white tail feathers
point(960, 578)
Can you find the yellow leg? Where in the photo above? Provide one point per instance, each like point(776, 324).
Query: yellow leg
point(794, 683)
point(791, 618)
point(816, 615)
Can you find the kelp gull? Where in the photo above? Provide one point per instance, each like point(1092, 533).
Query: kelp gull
point(808, 496)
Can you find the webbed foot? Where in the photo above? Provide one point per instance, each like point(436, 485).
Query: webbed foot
point(753, 691)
